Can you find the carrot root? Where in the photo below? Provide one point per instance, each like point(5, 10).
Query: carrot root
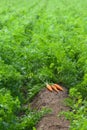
point(49, 87)
point(58, 87)
point(54, 87)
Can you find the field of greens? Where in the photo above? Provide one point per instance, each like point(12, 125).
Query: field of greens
point(42, 41)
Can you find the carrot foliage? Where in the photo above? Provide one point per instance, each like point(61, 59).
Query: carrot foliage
point(42, 41)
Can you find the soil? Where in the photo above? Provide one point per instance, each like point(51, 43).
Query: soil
point(54, 101)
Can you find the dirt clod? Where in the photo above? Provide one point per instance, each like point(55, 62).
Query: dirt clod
point(54, 101)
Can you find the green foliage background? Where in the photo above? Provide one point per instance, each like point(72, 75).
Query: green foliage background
point(42, 41)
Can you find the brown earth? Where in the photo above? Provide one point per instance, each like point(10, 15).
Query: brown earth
point(54, 101)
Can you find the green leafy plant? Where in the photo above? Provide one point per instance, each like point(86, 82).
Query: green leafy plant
point(78, 114)
point(42, 41)
point(9, 107)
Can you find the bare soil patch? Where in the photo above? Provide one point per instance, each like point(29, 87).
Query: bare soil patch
point(54, 101)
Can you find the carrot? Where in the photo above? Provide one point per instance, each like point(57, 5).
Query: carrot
point(58, 87)
point(54, 87)
point(49, 87)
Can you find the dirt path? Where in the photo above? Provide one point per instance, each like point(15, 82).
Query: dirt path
point(55, 101)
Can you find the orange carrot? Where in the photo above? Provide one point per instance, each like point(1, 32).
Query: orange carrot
point(54, 87)
point(58, 87)
point(49, 87)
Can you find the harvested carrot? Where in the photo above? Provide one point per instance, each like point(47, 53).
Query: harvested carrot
point(54, 87)
point(49, 87)
point(58, 87)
